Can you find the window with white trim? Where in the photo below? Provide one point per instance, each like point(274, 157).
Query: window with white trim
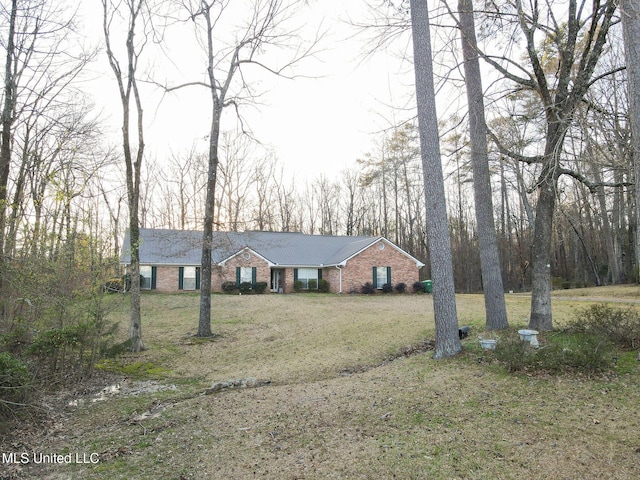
point(306, 274)
point(145, 277)
point(381, 276)
point(246, 274)
point(189, 278)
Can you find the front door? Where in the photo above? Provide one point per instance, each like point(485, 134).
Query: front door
point(277, 280)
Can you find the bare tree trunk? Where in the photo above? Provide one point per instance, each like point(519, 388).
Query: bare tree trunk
point(261, 29)
point(541, 318)
point(631, 27)
point(612, 257)
point(7, 120)
point(496, 311)
point(444, 298)
point(127, 86)
point(204, 320)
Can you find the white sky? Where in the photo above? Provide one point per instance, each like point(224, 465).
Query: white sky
point(313, 125)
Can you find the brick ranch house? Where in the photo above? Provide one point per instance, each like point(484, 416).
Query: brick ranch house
point(170, 260)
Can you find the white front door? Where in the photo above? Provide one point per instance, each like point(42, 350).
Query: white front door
point(277, 280)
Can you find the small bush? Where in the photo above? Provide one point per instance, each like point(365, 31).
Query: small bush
point(418, 287)
point(15, 380)
point(587, 353)
point(49, 343)
point(387, 288)
point(514, 354)
point(17, 339)
point(69, 353)
point(620, 325)
point(561, 352)
point(245, 287)
point(323, 286)
point(261, 287)
point(229, 287)
point(401, 287)
point(368, 289)
point(297, 285)
point(313, 284)
point(114, 285)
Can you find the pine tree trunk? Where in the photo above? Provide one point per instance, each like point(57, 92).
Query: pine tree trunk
point(444, 300)
point(495, 309)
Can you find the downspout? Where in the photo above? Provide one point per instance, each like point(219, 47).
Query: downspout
point(340, 278)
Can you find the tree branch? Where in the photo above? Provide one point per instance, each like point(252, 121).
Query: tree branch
point(511, 154)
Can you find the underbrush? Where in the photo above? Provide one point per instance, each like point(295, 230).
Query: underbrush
point(33, 360)
point(619, 325)
point(600, 338)
point(558, 352)
point(15, 380)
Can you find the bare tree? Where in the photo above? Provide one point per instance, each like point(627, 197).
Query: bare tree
point(261, 29)
point(42, 61)
point(263, 173)
point(235, 178)
point(136, 15)
point(444, 299)
point(559, 81)
point(496, 311)
point(631, 26)
point(8, 118)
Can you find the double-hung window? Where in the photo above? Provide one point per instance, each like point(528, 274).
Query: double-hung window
point(307, 276)
point(246, 274)
point(189, 278)
point(146, 277)
point(381, 276)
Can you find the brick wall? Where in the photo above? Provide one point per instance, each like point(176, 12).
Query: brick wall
point(288, 280)
point(227, 272)
point(359, 269)
point(355, 273)
point(167, 279)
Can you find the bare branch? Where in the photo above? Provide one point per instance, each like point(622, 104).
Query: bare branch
point(511, 154)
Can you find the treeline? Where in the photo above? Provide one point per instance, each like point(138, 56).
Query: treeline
point(64, 184)
point(383, 195)
point(64, 201)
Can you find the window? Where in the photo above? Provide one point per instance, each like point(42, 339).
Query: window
point(146, 277)
point(381, 276)
point(245, 274)
point(306, 274)
point(189, 278)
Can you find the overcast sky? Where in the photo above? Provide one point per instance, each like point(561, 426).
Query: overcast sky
point(313, 125)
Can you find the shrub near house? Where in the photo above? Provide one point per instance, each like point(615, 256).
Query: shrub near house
point(279, 262)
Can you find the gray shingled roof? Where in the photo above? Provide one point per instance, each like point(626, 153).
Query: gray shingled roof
point(179, 247)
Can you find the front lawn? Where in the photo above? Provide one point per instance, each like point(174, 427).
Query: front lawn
point(344, 389)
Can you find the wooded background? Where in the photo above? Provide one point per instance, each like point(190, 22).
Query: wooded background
point(62, 181)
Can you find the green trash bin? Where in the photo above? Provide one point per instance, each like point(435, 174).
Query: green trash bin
point(428, 286)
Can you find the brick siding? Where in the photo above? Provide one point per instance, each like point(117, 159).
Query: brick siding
point(227, 272)
point(357, 271)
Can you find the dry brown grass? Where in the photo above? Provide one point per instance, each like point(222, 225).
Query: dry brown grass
point(409, 418)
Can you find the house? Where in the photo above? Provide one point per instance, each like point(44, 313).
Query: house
point(170, 260)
